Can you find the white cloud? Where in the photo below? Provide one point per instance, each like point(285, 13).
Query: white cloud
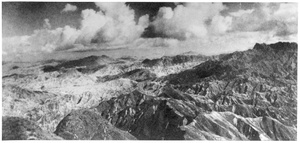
point(190, 27)
point(205, 30)
point(241, 12)
point(220, 24)
point(113, 25)
point(91, 23)
point(287, 12)
point(120, 27)
point(269, 17)
point(189, 20)
point(68, 37)
point(69, 7)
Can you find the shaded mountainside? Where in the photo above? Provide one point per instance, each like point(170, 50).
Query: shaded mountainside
point(248, 95)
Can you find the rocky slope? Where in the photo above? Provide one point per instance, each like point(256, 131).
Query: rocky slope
point(249, 95)
point(88, 125)
point(15, 128)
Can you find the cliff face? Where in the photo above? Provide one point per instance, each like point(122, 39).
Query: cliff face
point(249, 95)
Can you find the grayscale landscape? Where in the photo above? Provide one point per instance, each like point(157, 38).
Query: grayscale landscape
point(149, 71)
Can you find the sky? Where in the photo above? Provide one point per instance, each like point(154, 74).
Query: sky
point(64, 29)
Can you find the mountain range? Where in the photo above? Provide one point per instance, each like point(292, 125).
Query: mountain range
point(244, 95)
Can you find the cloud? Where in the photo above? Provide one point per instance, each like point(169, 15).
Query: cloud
point(220, 24)
point(201, 27)
point(112, 25)
point(69, 8)
point(120, 27)
point(199, 20)
point(46, 24)
point(91, 23)
point(206, 29)
point(279, 19)
point(241, 12)
point(190, 20)
point(287, 12)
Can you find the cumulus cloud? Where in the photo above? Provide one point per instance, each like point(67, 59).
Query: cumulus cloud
point(190, 20)
point(200, 20)
point(112, 25)
point(120, 27)
point(220, 24)
point(201, 27)
point(69, 8)
point(205, 29)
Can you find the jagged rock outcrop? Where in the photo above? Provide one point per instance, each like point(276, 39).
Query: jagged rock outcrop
point(16, 128)
point(88, 125)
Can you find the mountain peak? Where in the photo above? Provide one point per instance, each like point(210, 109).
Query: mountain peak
point(261, 46)
point(276, 46)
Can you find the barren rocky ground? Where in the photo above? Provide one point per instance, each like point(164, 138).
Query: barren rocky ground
point(248, 95)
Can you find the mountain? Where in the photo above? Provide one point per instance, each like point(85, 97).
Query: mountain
point(266, 72)
point(244, 95)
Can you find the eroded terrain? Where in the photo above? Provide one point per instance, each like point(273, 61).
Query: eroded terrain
point(248, 95)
